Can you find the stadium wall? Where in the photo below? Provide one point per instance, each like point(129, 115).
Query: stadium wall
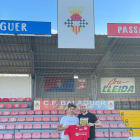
point(14, 87)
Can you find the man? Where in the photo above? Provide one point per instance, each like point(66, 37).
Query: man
point(89, 119)
point(65, 121)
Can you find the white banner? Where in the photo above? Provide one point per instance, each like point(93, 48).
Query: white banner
point(118, 85)
point(76, 24)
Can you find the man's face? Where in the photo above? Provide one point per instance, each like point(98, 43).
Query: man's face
point(83, 108)
point(71, 110)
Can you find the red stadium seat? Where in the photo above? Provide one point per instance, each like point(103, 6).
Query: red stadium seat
point(5, 100)
point(54, 125)
point(53, 112)
point(16, 105)
point(28, 126)
point(4, 119)
point(10, 126)
point(12, 100)
point(121, 125)
point(37, 119)
point(54, 119)
point(21, 119)
point(27, 100)
point(45, 135)
point(37, 126)
point(77, 112)
point(26, 136)
point(38, 112)
point(92, 111)
point(19, 126)
point(67, 111)
point(36, 135)
point(18, 136)
point(14, 112)
point(2, 126)
point(46, 119)
point(8, 106)
point(105, 125)
point(0, 99)
point(22, 112)
point(7, 136)
point(1, 136)
point(19, 99)
point(29, 119)
point(107, 112)
point(115, 112)
point(61, 112)
point(45, 126)
point(100, 112)
point(110, 118)
point(113, 125)
point(102, 118)
point(118, 118)
point(24, 105)
point(1, 105)
point(54, 135)
point(126, 134)
point(12, 119)
point(0, 113)
point(6, 112)
point(99, 135)
point(30, 112)
point(46, 112)
point(117, 134)
point(106, 134)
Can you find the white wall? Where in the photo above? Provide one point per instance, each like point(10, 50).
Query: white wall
point(14, 87)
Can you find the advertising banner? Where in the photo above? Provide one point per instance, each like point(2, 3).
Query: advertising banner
point(59, 84)
point(118, 85)
point(76, 24)
point(25, 27)
point(58, 105)
point(123, 29)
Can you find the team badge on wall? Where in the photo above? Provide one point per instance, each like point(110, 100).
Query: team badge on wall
point(82, 83)
point(76, 24)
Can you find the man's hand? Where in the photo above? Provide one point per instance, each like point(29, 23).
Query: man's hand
point(90, 124)
point(67, 126)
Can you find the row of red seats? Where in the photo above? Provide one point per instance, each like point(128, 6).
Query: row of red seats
point(13, 106)
point(35, 135)
point(46, 119)
point(15, 99)
point(46, 112)
point(29, 119)
point(29, 126)
point(110, 118)
point(116, 134)
point(39, 126)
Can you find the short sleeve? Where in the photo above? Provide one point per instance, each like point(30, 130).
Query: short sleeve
point(94, 118)
point(66, 132)
point(61, 120)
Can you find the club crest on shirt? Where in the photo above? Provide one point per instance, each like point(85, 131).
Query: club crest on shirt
point(76, 134)
point(85, 128)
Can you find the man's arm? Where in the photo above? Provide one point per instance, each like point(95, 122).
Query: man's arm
point(98, 123)
point(60, 128)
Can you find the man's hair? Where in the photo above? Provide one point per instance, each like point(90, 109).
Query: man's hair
point(72, 105)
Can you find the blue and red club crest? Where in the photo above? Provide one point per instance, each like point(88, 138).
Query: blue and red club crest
point(76, 22)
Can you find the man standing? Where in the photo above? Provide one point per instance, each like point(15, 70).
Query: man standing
point(65, 121)
point(89, 119)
